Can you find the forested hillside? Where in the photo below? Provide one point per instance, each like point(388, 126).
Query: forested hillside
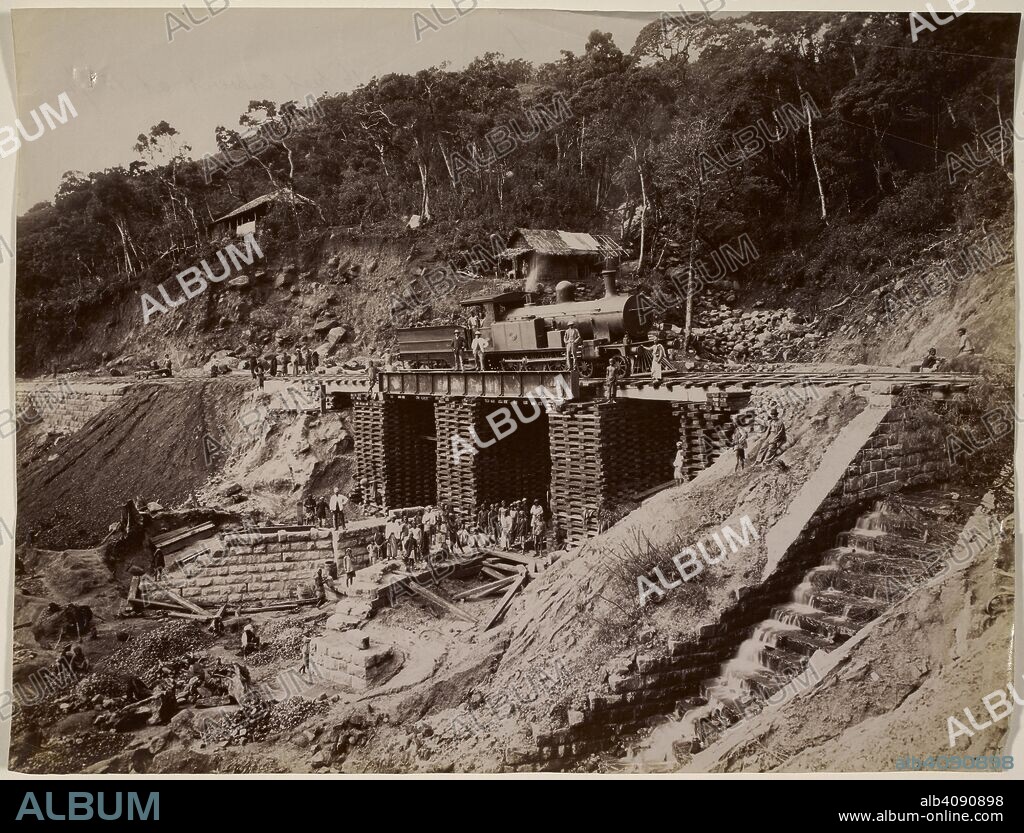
point(839, 146)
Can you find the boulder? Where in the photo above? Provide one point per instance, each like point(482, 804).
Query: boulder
point(336, 334)
point(241, 282)
point(328, 324)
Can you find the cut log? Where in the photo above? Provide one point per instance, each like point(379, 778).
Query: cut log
point(493, 572)
point(440, 601)
point(177, 614)
point(506, 600)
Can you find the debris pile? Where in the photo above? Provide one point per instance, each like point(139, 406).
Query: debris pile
point(759, 335)
point(144, 654)
point(74, 752)
point(257, 719)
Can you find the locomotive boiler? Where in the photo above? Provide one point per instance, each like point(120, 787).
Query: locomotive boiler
point(523, 335)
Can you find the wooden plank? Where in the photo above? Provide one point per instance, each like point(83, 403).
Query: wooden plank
point(440, 601)
point(175, 536)
point(484, 593)
point(515, 558)
point(506, 600)
point(491, 586)
point(503, 568)
point(177, 614)
point(161, 605)
point(493, 572)
point(180, 599)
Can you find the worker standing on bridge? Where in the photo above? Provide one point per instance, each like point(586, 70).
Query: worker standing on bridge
point(571, 339)
point(478, 347)
point(611, 380)
point(458, 345)
point(659, 358)
point(627, 352)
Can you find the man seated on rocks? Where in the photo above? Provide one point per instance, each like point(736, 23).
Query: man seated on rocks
point(931, 362)
point(250, 641)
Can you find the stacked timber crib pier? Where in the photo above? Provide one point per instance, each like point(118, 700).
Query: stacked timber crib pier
point(429, 437)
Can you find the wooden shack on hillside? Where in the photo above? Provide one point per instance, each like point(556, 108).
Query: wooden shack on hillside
point(548, 256)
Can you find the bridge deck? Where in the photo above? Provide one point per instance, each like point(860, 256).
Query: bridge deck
point(683, 386)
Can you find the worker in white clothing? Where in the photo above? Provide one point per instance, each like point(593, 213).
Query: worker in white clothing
point(571, 338)
point(337, 507)
point(478, 346)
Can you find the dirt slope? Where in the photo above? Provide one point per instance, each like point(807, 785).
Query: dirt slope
point(149, 444)
point(581, 613)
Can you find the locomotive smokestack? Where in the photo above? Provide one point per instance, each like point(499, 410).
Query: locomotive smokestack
point(611, 269)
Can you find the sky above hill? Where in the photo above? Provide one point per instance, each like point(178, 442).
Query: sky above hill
point(123, 75)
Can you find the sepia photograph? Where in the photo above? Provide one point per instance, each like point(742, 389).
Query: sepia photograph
point(463, 390)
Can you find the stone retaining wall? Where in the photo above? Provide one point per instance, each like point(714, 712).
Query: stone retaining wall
point(263, 567)
point(62, 406)
point(904, 450)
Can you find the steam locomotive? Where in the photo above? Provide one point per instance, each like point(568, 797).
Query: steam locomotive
point(523, 335)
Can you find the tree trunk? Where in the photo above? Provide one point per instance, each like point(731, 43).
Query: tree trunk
point(643, 205)
point(425, 202)
point(688, 323)
point(814, 158)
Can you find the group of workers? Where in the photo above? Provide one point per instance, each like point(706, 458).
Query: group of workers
point(324, 511)
point(299, 362)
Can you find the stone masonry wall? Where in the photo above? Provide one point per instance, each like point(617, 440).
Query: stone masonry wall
point(63, 407)
point(262, 567)
point(903, 452)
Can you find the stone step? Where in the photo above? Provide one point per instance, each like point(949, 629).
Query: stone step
point(854, 608)
point(861, 561)
point(790, 638)
point(885, 543)
point(815, 621)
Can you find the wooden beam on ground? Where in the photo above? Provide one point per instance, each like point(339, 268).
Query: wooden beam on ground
point(177, 614)
point(483, 593)
point(515, 558)
point(502, 567)
point(440, 601)
point(506, 600)
point(180, 599)
point(161, 605)
point(484, 588)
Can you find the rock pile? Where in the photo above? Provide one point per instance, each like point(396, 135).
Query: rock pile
point(757, 335)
